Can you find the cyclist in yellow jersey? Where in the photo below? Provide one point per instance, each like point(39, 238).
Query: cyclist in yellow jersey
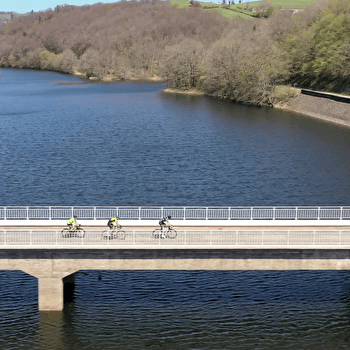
point(72, 223)
point(113, 223)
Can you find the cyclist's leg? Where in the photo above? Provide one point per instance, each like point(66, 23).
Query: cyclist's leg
point(163, 231)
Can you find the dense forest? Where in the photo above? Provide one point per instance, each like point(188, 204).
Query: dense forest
point(190, 48)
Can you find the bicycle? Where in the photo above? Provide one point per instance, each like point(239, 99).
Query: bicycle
point(169, 232)
point(73, 232)
point(113, 233)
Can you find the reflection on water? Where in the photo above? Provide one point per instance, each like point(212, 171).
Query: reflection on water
point(51, 330)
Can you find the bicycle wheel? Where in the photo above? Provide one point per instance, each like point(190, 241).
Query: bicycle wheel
point(66, 232)
point(79, 232)
point(156, 233)
point(171, 233)
point(105, 234)
point(120, 234)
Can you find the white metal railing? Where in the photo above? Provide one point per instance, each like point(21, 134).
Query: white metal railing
point(177, 213)
point(185, 238)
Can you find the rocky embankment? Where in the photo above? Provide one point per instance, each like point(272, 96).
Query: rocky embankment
point(330, 107)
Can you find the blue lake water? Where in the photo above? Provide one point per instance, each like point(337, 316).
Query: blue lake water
point(132, 144)
point(67, 142)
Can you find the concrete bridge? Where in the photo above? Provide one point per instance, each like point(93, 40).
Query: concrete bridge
point(36, 246)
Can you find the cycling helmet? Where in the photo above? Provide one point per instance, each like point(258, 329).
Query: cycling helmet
point(169, 217)
point(74, 216)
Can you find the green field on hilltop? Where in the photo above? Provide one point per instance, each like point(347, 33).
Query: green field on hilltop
point(283, 3)
point(239, 10)
point(226, 11)
point(180, 3)
point(229, 13)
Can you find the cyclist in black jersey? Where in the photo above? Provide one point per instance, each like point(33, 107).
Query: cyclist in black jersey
point(164, 223)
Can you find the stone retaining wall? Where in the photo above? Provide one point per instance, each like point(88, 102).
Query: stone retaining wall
point(330, 107)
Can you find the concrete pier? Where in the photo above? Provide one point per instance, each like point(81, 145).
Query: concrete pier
point(50, 293)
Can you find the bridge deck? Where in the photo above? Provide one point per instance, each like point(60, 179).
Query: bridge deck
point(314, 236)
point(40, 250)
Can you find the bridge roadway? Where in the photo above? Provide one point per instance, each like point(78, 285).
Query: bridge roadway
point(38, 249)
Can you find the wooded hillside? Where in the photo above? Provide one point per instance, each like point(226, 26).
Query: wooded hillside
point(232, 58)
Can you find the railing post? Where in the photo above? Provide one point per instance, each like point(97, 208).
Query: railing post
point(139, 213)
point(341, 213)
point(229, 213)
point(72, 212)
point(27, 213)
point(274, 213)
point(206, 213)
point(184, 213)
point(318, 213)
point(296, 213)
point(95, 213)
point(5, 218)
point(162, 212)
point(251, 213)
point(49, 213)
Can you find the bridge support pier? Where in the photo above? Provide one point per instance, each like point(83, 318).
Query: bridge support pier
point(54, 291)
point(50, 294)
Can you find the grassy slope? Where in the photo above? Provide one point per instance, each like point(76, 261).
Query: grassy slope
point(239, 10)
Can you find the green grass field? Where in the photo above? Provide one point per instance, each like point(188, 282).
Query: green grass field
point(239, 10)
point(180, 3)
point(229, 13)
point(283, 3)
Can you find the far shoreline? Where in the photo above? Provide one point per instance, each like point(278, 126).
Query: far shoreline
point(311, 106)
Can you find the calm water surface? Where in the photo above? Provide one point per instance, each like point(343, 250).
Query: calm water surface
point(65, 142)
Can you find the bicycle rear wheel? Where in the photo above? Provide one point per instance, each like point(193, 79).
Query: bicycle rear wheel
point(66, 232)
point(156, 233)
point(171, 233)
point(105, 234)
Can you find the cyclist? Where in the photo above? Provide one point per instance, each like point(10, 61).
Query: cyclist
point(113, 223)
point(164, 223)
point(72, 223)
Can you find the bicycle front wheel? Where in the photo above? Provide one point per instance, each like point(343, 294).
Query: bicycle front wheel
point(80, 232)
point(120, 234)
point(171, 233)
